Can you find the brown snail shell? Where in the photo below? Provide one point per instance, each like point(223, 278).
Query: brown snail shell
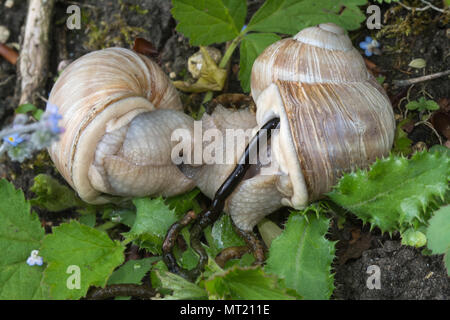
point(113, 102)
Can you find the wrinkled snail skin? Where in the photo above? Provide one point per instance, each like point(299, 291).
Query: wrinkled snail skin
point(334, 118)
point(119, 110)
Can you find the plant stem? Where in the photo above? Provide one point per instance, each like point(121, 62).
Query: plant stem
point(223, 63)
point(21, 129)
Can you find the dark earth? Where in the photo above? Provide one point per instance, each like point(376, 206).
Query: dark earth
point(405, 272)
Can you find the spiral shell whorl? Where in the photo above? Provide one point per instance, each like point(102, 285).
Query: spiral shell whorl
point(95, 94)
point(314, 55)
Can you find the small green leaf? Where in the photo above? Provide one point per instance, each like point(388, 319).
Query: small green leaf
point(180, 287)
point(396, 192)
point(132, 271)
point(222, 235)
point(28, 107)
point(381, 79)
point(20, 233)
point(251, 47)
point(245, 284)
point(73, 245)
point(184, 202)
point(153, 219)
point(209, 21)
point(302, 256)
point(402, 144)
point(413, 238)
point(291, 16)
point(422, 105)
point(418, 63)
point(52, 195)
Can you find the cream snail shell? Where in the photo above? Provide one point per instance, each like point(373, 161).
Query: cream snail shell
point(119, 109)
point(334, 118)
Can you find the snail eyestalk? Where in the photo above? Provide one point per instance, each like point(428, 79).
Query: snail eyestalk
point(210, 215)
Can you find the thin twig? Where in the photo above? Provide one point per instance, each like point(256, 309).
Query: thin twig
point(6, 80)
point(428, 5)
point(402, 83)
point(432, 6)
point(21, 129)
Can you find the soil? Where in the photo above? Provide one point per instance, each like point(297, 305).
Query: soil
point(405, 272)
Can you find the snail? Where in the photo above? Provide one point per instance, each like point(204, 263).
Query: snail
point(119, 110)
point(334, 118)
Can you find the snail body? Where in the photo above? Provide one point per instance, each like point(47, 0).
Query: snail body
point(119, 109)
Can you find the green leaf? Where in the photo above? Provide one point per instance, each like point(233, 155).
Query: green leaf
point(422, 105)
point(441, 149)
point(245, 284)
point(251, 47)
point(417, 63)
point(209, 21)
point(53, 196)
point(438, 234)
point(28, 107)
point(153, 219)
point(396, 192)
point(222, 235)
point(413, 238)
point(20, 233)
point(184, 202)
point(302, 256)
point(291, 16)
point(132, 271)
point(181, 288)
point(402, 144)
point(92, 251)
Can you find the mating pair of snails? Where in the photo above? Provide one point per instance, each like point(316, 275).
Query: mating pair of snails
point(119, 110)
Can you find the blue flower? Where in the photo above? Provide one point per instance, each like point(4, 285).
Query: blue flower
point(370, 46)
point(34, 259)
point(52, 117)
point(13, 139)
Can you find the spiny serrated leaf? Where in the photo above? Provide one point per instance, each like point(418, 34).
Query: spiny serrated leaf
point(184, 202)
point(209, 21)
point(251, 47)
point(52, 195)
point(302, 256)
point(74, 244)
point(180, 287)
point(20, 233)
point(153, 219)
point(438, 234)
point(291, 16)
point(396, 192)
point(245, 284)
